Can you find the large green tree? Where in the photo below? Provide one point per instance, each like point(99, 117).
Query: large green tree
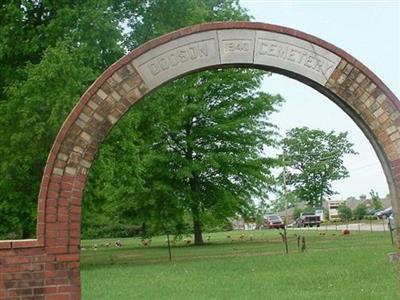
point(315, 159)
point(50, 52)
point(199, 139)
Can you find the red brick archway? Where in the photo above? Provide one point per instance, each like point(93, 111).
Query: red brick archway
point(48, 267)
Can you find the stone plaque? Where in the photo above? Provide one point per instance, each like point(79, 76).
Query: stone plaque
point(178, 57)
point(236, 46)
point(292, 54)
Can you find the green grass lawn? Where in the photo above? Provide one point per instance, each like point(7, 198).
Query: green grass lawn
point(333, 267)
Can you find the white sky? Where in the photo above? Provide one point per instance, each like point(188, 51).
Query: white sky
point(368, 30)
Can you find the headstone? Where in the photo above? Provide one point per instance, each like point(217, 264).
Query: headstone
point(393, 257)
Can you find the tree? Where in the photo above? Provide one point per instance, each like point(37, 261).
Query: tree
point(344, 212)
point(289, 198)
point(376, 200)
point(217, 144)
point(315, 159)
point(360, 211)
point(297, 212)
point(201, 137)
point(200, 147)
point(50, 52)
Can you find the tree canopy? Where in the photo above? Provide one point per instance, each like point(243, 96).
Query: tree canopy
point(376, 200)
point(344, 212)
point(198, 143)
point(52, 51)
point(315, 159)
point(360, 211)
point(191, 152)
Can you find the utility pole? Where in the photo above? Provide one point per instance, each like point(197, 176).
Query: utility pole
point(286, 200)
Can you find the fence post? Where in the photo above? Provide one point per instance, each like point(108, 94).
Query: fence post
point(370, 224)
point(391, 234)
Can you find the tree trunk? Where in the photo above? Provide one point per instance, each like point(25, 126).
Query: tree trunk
point(198, 237)
point(144, 230)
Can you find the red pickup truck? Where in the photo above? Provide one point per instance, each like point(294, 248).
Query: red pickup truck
point(273, 221)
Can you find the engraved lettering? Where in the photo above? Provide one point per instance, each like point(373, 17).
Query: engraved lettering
point(294, 54)
point(154, 69)
point(236, 46)
point(327, 69)
point(183, 57)
point(302, 55)
point(173, 60)
point(263, 48)
point(176, 57)
point(163, 64)
point(203, 50)
point(310, 62)
point(319, 65)
point(273, 50)
point(192, 53)
point(283, 51)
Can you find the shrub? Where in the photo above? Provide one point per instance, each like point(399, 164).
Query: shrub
point(360, 211)
point(344, 212)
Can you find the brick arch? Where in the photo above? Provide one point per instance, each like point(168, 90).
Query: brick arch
point(48, 267)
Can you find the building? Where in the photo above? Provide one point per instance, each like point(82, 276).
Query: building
point(333, 206)
point(240, 224)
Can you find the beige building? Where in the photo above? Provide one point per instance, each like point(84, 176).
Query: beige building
point(333, 206)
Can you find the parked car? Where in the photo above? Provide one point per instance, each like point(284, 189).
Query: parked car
point(384, 213)
point(308, 220)
point(273, 221)
point(371, 211)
